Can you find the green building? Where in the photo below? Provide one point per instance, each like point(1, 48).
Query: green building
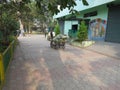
point(102, 18)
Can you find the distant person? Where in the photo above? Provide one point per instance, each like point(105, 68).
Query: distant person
point(18, 32)
point(46, 31)
point(22, 33)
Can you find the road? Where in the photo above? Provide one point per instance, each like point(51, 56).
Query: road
point(36, 66)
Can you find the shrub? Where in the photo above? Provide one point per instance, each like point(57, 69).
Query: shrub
point(57, 29)
point(8, 26)
point(2, 48)
point(82, 32)
point(11, 38)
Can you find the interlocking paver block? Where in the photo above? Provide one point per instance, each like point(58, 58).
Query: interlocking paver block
point(36, 66)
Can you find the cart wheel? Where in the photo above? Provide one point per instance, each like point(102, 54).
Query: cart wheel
point(51, 45)
point(56, 46)
point(63, 47)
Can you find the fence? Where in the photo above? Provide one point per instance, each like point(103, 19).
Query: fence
point(5, 59)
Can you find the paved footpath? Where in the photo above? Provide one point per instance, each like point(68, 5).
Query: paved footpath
point(36, 66)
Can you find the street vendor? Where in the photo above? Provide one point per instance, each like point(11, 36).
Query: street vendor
point(58, 41)
point(51, 34)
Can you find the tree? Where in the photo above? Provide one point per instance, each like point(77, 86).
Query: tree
point(57, 29)
point(9, 23)
point(82, 32)
point(34, 14)
point(30, 10)
point(50, 5)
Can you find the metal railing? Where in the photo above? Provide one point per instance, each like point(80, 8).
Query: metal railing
point(5, 59)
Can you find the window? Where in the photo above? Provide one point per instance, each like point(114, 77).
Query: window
point(90, 14)
point(74, 27)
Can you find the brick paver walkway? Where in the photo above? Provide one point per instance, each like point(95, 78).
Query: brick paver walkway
point(36, 66)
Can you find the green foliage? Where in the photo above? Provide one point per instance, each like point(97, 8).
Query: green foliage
point(82, 32)
point(40, 10)
point(12, 25)
point(85, 2)
point(11, 38)
point(2, 48)
point(52, 4)
point(4, 44)
point(57, 29)
point(8, 25)
point(49, 5)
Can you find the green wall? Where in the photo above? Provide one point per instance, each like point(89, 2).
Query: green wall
point(68, 26)
point(102, 12)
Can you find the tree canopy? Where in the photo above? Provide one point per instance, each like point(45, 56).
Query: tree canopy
point(49, 5)
point(29, 10)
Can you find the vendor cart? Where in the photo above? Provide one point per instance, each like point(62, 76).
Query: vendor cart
point(58, 41)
